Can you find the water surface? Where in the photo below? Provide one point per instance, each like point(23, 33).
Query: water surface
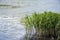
point(10, 29)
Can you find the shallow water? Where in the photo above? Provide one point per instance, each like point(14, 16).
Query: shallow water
point(10, 28)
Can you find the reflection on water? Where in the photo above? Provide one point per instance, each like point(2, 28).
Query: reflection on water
point(10, 29)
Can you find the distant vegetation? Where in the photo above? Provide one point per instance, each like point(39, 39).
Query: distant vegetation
point(46, 25)
point(11, 6)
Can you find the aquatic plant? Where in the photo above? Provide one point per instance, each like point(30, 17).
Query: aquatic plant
point(47, 24)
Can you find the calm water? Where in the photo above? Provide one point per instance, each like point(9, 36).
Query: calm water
point(10, 29)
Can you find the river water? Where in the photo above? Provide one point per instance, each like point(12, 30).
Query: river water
point(10, 28)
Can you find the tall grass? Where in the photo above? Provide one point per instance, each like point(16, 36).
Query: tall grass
point(46, 24)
